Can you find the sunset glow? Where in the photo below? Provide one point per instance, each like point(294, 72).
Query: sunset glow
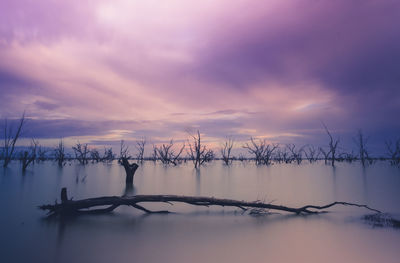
point(240, 68)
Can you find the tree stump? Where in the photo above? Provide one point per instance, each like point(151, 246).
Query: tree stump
point(130, 170)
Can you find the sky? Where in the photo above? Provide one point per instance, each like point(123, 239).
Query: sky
point(101, 71)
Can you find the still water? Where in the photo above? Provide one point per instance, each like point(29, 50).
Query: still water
point(197, 234)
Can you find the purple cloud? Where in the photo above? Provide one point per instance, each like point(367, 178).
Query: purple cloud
point(241, 68)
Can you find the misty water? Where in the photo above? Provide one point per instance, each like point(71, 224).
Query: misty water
point(199, 234)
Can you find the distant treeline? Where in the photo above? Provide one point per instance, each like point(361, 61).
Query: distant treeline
point(259, 150)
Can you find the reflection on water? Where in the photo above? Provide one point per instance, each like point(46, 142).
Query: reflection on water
point(198, 234)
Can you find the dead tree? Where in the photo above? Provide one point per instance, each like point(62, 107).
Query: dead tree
point(108, 156)
point(325, 154)
point(208, 156)
point(333, 143)
point(167, 154)
point(278, 156)
point(312, 154)
point(95, 155)
point(226, 151)
point(241, 157)
point(130, 170)
point(348, 157)
point(361, 143)
point(140, 149)
point(68, 207)
point(41, 154)
point(199, 153)
point(154, 154)
point(59, 154)
point(81, 153)
point(123, 152)
point(10, 140)
point(296, 154)
point(29, 156)
point(393, 150)
point(282, 155)
point(261, 150)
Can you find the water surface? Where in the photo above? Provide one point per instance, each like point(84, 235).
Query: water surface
point(197, 234)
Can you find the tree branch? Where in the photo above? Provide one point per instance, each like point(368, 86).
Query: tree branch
point(69, 207)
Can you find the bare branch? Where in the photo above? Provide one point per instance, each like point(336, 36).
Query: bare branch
point(11, 139)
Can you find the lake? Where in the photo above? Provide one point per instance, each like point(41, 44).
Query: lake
point(200, 234)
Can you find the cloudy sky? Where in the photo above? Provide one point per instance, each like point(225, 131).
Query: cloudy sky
point(101, 71)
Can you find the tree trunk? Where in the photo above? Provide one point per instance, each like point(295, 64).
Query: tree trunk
point(130, 170)
point(69, 207)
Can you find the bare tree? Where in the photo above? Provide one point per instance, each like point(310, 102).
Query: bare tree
point(261, 150)
point(226, 150)
point(167, 154)
point(10, 140)
point(140, 148)
point(123, 152)
point(333, 143)
point(361, 143)
point(296, 154)
point(199, 153)
point(282, 155)
point(41, 153)
point(95, 155)
point(108, 156)
point(59, 153)
point(325, 154)
point(312, 154)
point(393, 149)
point(28, 156)
point(279, 155)
point(81, 152)
point(154, 154)
point(208, 156)
point(348, 157)
point(241, 157)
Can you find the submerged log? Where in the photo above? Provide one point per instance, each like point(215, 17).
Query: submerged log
point(130, 170)
point(69, 207)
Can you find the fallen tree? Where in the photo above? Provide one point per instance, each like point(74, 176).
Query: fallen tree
point(70, 207)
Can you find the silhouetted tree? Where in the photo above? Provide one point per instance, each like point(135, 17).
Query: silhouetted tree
point(10, 140)
point(167, 154)
point(361, 143)
point(296, 154)
point(123, 152)
point(140, 149)
point(81, 152)
point(28, 156)
point(226, 150)
point(325, 154)
point(59, 153)
point(95, 155)
point(130, 170)
point(41, 153)
point(261, 150)
point(199, 153)
point(108, 156)
point(348, 157)
point(393, 150)
point(333, 143)
point(241, 157)
point(154, 154)
point(312, 154)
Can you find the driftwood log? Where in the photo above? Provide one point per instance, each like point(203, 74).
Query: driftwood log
point(70, 207)
point(130, 170)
